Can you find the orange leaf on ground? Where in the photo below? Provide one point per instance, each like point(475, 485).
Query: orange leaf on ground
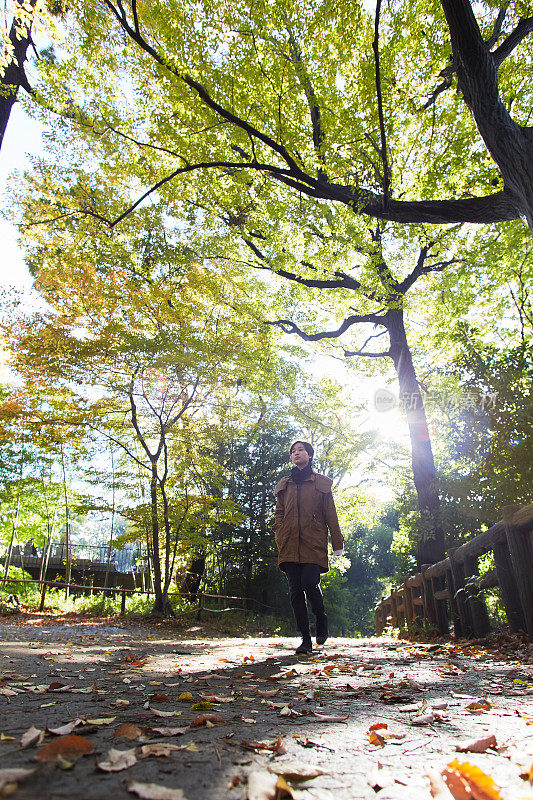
point(377, 726)
point(71, 746)
point(376, 739)
point(203, 719)
point(159, 698)
point(276, 746)
point(128, 731)
point(468, 782)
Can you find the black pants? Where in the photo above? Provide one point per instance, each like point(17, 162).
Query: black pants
point(304, 582)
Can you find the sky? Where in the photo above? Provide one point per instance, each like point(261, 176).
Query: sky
point(23, 136)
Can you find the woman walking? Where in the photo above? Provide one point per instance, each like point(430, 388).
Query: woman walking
point(305, 511)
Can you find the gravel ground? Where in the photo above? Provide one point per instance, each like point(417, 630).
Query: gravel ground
point(372, 715)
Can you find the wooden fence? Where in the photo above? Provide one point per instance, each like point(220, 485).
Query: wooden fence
point(201, 597)
point(453, 589)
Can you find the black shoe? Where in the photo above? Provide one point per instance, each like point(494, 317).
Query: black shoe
point(306, 647)
point(321, 629)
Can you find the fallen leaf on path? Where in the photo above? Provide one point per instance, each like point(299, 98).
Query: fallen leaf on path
point(437, 787)
point(297, 772)
point(128, 731)
point(4, 738)
point(159, 713)
point(394, 697)
point(468, 782)
point(32, 736)
point(527, 774)
point(71, 746)
point(159, 698)
point(261, 785)
point(479, 707)
point(379, 778)
point(117, 760)
point(64, 763)
point(377, 726)
point(476, 745)
point(309, 743)
point(281, 676)
point(287, 711)
point(63, 730)
point(376, 739)
point(172, 731)
point(425, 719)
point(204, 719)
point(10, 777)
point(152, 791)
point(415, 685)
point(204, 705)
point(276, 746)
point(101, 720)
point(158, 749)
point(217, 698)
point(316, 717)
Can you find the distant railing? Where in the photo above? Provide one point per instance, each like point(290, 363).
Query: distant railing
point(130, 558)
point(453, 587)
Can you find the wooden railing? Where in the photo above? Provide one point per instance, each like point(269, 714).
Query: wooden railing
point(453, 589)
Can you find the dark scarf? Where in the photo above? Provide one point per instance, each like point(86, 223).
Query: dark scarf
point(299, 475)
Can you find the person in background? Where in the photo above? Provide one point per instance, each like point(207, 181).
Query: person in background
point(305, 511)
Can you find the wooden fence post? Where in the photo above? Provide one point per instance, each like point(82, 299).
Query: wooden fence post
point(508, 587)
point(430, 612)
point(457, 626)
point(459, 592)
point(521, 551)
point(478, 609)
point(199, 612)
point(409, 609)
point(123, 603)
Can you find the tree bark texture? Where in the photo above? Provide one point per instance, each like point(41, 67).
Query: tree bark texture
point(431, 545)
point(510, 145)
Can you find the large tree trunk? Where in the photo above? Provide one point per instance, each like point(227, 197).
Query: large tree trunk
point(162, 605)
point(14, 76)
point(510, 144)
point(431, 543)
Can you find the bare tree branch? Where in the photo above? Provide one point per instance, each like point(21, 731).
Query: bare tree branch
point(287, 326)
point(523, 29)
point(363, 352)
point(386, 180)
point(312, 102)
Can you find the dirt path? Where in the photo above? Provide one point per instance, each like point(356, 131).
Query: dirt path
point(315, 713)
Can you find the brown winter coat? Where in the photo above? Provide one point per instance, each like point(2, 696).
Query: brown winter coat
point(304, 513)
